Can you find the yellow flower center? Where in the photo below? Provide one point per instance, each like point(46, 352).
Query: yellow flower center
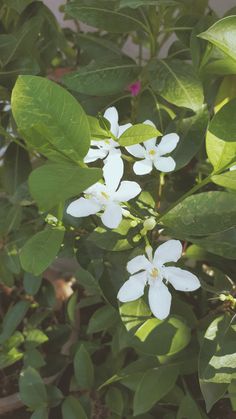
point(105, 195)
point(154, 273)
point(152, 152)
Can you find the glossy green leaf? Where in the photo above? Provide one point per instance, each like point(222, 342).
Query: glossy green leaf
point(223, 35)
point(72, 409)
point(104, 18)
point(104, 78)
point(39, 102)
point(203, 213)
point(137, 134)
point(32, 389)
point(154, 385)
point(177, 83)
point(54, 183)
point(222, 244)
point(133, 4)
point(8, 358)
point(12, 319)
point(84, 370)
point(40, 250)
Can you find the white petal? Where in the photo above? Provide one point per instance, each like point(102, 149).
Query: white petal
point(83, 207)
point(159, 299)
point(137, 264)
point(94, 154)
point(133, 288)
point(112, 215)
point(127, 191)
point(168, 143)
point(149, 144)
point(94, 189)
point(142, 167)
point(136, 150)
point(112, 116)
point(165, 164)
point(148, 122)
point(113, 171)
point(169, 251)
point(181, 280)
point(123, 128)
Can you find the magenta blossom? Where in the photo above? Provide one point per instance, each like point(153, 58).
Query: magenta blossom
point(135, 88)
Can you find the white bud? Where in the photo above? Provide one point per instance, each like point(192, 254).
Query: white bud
point(149, 223)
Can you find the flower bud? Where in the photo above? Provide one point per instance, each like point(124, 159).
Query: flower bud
point(149, 223)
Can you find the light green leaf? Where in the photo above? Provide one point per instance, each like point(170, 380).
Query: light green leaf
point(40, 250)
point(32, 389)
point(223, 124)
point(202, 214)
point(103, 79)
point(39, 102)
point(34, 338)
point(176, 82)
point(104, 18)
point(133, 4)
point(10, 357)
point(54, 183)
point(84, 370)
point(220, 153)
point(228, 179)
point(137, 134)
point(72, 409)
point(223, 35)
point(154, 385)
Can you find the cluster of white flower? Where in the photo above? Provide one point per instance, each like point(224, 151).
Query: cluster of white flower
point(109, 199)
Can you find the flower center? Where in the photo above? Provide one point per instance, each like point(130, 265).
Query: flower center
point(105, 195)
point(152, 152)
point(154, 273)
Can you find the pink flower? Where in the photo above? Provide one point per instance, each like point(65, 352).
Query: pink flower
point(135, 88)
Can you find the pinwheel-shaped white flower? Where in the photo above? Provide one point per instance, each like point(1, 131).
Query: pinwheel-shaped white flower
point(105, 148)
point(152, 154)
point(106, 197)
point(153, 271)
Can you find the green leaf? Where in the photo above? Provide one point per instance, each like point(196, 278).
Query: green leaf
point(223, 35)
point(133, 4)
point(220, 153)
point(97, 132)
point(41, 413)
point(13, 318)
point(232, 394)
point(192, 132)
point(215, 376)
point(84, 370)
point(228, 179)
point(54, 183)
point(32, 283)
point(115, 240)
point(137, 134)
point(16, 167)
point(103, 79)
point(72, 409)
point(102, 319)
point(39, 102)
point(104, 18)
point(154, 385)
point(40, 250)
point(86, 279)
point(34, 338)
point(223, 124)
point(222, 244)
point(176, 82)
point(202, 214)
point(114, 401)
point(10, 357)
point(153, 336)
point(188, 408)
point(32, 389)
point(18, 5)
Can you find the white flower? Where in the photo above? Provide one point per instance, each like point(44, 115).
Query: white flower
point(233, 167)
point(106, 197)
point(152, 154)
point(153, 272)
point(105, 148)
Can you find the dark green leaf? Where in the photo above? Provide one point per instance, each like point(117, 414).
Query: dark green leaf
point(188, 408)
point(40, 250)
point(16, 167)
point(13, 318)
point(32, 389)
point(72, 409)
point(84, 370)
